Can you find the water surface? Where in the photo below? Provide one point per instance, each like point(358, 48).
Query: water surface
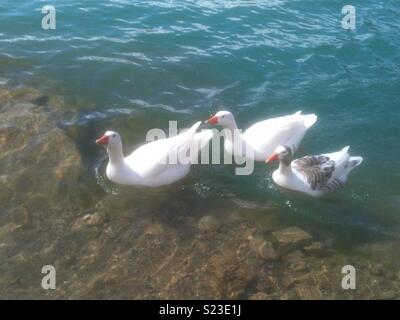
point(134, 65)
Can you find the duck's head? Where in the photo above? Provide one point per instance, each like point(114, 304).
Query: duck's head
point(281, 153)
point(110, 139)
point(223, 118)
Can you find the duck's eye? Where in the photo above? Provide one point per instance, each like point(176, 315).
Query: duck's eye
point(113, 135)
point(222, 116)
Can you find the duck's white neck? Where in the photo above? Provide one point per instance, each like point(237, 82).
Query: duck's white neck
point(232, 126)
point(232, 133)
point(116, 155)
point(285, 168)
point(117, 169)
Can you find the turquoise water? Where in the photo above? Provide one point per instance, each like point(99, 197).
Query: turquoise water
point(134, 65)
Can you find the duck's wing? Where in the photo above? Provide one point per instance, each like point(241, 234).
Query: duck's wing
point(315, 171)
point(326, 172)
point(154, 157)
point(287, 130)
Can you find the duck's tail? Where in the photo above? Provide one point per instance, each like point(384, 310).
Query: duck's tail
point(193, 128)
point(309, 119)
point(355, 161)
point(351, 162)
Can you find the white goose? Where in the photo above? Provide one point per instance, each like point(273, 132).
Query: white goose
point(260, 140)
point(156, 163)
point(313, 175)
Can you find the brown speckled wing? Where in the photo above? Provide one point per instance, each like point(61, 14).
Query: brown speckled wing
point(316, 171)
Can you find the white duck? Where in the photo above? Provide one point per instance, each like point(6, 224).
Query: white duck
point(156, 163)
point(260, 140)
point(313, 175)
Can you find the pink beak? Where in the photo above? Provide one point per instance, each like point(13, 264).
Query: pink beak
point(102, 140)
point(212, 120)
point(272, 157)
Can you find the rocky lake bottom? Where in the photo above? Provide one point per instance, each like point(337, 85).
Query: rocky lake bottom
point(134, 245)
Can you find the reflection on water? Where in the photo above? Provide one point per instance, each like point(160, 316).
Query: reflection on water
point(193, 239)
point(102, 181)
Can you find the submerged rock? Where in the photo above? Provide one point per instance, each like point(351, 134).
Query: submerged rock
point(91, 219)
point(315, 248)
point(209, 223)
point(260, 296)
point(309, 293)
point(296, 261)
point(291, 239)
point(38, 161)
point(41, 188)
point(41, 100)
point(263, 248)
point(227, 276)
point(21, 94)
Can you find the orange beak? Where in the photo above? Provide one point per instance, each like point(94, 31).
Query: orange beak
point(272, 157)
point(102, 140)
point(212, 120)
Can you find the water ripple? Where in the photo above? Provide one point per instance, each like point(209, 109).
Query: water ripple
point(108, 59)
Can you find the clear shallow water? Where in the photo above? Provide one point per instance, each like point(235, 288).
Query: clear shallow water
point(134, 65)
